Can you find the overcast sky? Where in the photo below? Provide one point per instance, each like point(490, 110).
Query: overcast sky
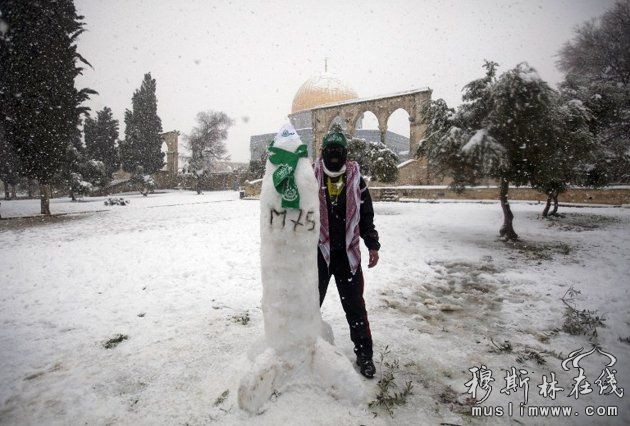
point(248, 58)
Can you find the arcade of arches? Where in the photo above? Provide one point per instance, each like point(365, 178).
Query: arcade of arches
point(348, 113)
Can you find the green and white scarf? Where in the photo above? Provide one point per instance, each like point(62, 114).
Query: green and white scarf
point(284, 176)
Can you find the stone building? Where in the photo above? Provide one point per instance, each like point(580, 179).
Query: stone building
point(325, 89)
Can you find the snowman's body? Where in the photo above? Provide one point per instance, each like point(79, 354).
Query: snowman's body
point(288, 258)
point(293, 352)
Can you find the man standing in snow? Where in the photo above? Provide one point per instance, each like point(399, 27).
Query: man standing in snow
point(346, 214)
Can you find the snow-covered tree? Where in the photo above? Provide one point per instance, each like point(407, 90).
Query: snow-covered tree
point(206, 143)
point(500, 131)
point(375, 159)
point(101, 136)
point(71, 168)
point(9, 166)
point(78, 186)
point(39, 104)
point(143, 145)
point(80, 173)
point(142, 182)
point(256, 168)
point(569, 153)
point(597, 67)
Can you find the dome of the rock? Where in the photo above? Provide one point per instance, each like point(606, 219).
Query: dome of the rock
point(321, 89)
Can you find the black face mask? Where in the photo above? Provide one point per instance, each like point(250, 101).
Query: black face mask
point(334, 157)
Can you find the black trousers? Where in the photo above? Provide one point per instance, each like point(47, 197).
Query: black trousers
point(350, 289)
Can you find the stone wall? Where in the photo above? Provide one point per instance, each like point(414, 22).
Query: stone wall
point(164, 180)
point(613, 196)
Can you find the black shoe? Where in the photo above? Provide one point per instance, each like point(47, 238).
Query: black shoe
point(366, 366)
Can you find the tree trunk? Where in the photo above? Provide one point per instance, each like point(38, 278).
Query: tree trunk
point(7, 194)
point(29, 186)
point(554, 212)
point(547, 206)
point(198, 186)
point(44, 196)
point(507, 230)
point(14, 191)
point(72, 197)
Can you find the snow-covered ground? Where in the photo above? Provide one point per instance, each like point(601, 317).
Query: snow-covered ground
point(179, 274)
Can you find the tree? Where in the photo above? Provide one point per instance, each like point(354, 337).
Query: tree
point(256, 168)
point(570, 152)
point(71, 168)
point(39, 105)
point(80, 173)
point(142, 182)
point(597, 67)
point(143, 144)
point(9, 166)
point(375, 159)
point(206, 142)
point(101, 135)
point(499, 132)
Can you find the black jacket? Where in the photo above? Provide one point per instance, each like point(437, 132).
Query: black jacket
point(337, 218)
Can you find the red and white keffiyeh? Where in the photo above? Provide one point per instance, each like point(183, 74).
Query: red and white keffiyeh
point(353, 207)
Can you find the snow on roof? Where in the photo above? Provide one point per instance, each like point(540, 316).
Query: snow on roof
point(321, 89)
point(371, 98)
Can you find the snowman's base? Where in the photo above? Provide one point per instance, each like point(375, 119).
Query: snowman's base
point(320, 365)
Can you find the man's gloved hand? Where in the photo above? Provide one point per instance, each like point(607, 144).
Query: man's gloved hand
point(373, 258)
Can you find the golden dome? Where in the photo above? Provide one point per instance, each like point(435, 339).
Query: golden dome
point(321, 89)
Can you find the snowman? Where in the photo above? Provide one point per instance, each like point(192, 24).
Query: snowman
point(293, 352)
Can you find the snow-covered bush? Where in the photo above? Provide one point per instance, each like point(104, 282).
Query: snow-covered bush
point(375, 159)
point(79, 186)
point(389, 394)
point(141, 182)
point(116, 202)
point(95, 172)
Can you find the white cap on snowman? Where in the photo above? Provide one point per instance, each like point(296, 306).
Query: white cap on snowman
point(287, 133)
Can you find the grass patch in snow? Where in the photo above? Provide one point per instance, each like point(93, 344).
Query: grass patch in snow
point(580, 222)
point(506, 346)
point(530, 354)
point(115, 341)
point(540, 251)
point(20, 223)
point(625, 339)
point(460, 404)
point(221, 398)
point(387, 397)
point(242, 319)
point(580, 321)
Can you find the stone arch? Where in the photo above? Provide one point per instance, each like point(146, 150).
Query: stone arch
point(411, 101)
point(361, 115)
point(356, 118)
point(374, 113)
point(171, 139)
point(398, 123)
